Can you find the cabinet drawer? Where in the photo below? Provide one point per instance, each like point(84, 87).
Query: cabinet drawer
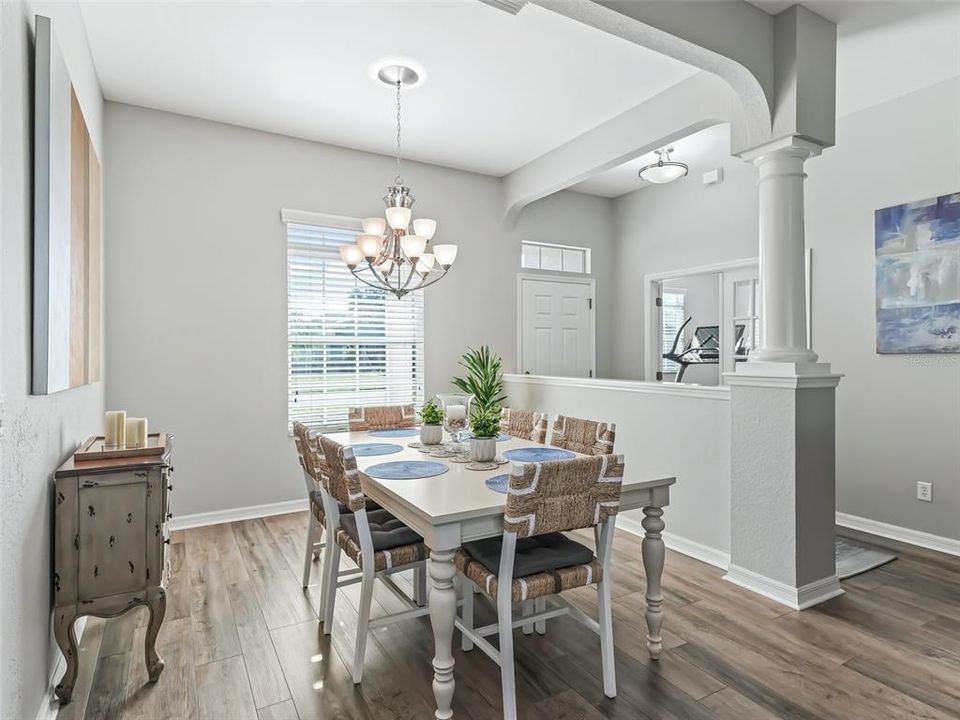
point(112, 537)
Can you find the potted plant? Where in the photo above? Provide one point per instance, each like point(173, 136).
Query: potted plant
point(484, 379)
point(483, 441)
point(431, 430)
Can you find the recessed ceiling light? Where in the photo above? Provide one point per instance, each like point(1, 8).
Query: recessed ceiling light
point(664, 170)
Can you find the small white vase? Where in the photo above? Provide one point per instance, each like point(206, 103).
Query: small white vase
point(431, 434)
point(483, 449)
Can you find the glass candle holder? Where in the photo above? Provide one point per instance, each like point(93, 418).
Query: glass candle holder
point(456, 415)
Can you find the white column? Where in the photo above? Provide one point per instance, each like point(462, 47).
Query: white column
point(782, 267)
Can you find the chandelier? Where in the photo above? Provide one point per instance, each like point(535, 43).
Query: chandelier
point(664, 170)
point(387, 256)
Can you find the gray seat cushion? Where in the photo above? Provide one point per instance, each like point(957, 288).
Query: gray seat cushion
point(316, 497)
point(387, 532)
point(537, 554)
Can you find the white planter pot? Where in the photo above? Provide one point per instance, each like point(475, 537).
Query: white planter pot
point(483, 449)
point(431, 434)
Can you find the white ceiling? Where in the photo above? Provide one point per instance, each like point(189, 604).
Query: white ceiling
point(701, 151)
point(500, 90)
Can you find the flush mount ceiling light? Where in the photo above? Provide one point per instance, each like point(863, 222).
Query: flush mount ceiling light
point(387, 256)
point(664, 170)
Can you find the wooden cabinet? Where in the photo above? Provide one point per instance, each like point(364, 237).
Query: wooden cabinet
point(110, 542)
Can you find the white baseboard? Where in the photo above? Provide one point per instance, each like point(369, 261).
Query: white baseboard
point(697, 551)
point(249, 512)
point(49, 705)
point(901, 534)
point(797, 598)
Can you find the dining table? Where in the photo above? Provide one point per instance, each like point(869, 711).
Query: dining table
point(457, 506)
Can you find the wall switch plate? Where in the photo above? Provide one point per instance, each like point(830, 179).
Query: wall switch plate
point(925, 491)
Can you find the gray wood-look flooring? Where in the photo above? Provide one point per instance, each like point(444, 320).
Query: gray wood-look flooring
point(241, 640)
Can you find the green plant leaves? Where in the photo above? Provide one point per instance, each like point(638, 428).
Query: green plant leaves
point(484, 380)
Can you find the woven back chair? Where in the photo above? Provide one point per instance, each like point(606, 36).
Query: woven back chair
point(534, 559)
point(524, 424)
point(382, 417)
point(376, 541)
point(583, 436)
point(314, 477)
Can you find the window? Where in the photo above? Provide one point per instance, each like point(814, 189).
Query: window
point(347, 344)
point(558, 258)
point(672, 315)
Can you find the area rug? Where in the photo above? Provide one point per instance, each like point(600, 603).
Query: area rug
point(853, 559)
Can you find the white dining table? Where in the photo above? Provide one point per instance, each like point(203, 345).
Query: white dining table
point(457, 506)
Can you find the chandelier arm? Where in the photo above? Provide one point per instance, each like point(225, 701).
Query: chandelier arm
point(413, 270)
point(359, 277)
point(428, 284)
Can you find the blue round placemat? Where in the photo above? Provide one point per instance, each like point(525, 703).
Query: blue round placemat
point(406, 469)
point(371, 449)
point(538, 454)
point(395, 432)
point(499, 483)
point(502, 437)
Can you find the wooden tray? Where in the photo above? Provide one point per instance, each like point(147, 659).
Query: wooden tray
point(94, 449)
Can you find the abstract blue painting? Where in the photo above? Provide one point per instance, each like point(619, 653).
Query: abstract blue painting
point(918, 276)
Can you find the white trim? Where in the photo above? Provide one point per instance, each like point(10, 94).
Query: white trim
point(797, 598)
point(49, 705)
point(250, 512)
point(682, 545)
point(565, 279)
point(705, 392)
point(306, 217)
point(950, 546)
point(786, 382)
point(651, 281)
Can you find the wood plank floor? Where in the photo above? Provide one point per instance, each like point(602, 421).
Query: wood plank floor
point(241, 640)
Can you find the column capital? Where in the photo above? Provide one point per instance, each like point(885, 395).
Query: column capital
point(790, 146)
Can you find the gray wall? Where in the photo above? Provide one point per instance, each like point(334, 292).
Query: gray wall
point(661, 228)
point(196, 283)
point(898, 417)
point(38, 432)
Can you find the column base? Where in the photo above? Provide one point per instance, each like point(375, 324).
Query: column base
point(783, 374)
point(797, 598)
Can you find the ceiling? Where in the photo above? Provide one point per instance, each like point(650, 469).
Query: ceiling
point(500, 89)
point(701, 151)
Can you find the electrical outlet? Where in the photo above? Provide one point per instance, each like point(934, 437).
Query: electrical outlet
point(925, 491)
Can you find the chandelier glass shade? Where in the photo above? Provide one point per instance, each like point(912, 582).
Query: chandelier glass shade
point(664, 170)
point(388, 255)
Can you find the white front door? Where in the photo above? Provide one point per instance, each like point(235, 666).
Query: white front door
point(556, 327)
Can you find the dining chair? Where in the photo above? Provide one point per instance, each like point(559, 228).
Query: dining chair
point(543, 501)
point(524, 424)
point(382, 417)
point(587, 437)
point(377, 542)
point(313, 471)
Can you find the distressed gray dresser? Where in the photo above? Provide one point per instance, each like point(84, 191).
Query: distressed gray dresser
point(110, 542)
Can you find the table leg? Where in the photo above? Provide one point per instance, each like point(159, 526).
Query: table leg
point(63, 621)
point(652, 550)
point(157, 603)
point(443, 610)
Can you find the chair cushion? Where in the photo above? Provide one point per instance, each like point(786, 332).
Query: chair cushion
point(387, 532)
point(537, 554)
point(317, 499)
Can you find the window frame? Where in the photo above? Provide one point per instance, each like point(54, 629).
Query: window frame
point(585, 251)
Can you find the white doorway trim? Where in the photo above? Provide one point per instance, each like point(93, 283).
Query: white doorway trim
point(651, 287)
point(565, 280)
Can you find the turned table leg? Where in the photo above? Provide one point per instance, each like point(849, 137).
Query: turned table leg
point(652, 550)
point(157, 603)
point(63, 631)
point(443, 610)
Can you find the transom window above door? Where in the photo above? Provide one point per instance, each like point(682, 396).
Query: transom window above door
point(555, 258)
point(348, 344)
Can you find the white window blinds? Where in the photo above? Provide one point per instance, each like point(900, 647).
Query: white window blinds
point(347, 344)
point(671, 319)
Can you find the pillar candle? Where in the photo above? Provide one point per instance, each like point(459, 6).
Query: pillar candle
point(136, 430)
point(115, 429)
point(456, 412)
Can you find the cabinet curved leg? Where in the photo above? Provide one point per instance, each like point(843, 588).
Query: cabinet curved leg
point(63, 621)
point(157, 603)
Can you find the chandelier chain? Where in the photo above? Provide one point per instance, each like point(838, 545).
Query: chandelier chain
point(399, 179)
